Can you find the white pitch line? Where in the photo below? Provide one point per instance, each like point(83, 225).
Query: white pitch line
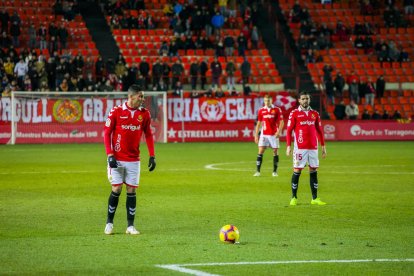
point(181, 267)
point(216, 167)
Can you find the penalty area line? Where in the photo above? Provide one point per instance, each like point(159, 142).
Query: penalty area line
point(183, 267)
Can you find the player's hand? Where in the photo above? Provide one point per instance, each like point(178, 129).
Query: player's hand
point(256, 139)
point(151, 163)
point(324, 152)
point(112, 162)
point(287, 150)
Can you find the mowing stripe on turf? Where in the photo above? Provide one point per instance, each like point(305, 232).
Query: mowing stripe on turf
point(181, 267)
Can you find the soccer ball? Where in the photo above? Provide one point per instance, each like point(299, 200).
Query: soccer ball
point(229, 234)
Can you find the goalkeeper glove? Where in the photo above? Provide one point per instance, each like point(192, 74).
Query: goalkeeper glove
point(112, 162)
point(151, 163)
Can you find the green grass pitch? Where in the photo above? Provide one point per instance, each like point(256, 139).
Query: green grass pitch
point(53, 201)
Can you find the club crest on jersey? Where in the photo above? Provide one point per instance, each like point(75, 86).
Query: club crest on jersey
point(140, 118)
point(313, 116)
point(273, 111)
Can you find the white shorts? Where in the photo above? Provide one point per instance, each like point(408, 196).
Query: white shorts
point(127, 172)
point(268, 141)
point(303, 156)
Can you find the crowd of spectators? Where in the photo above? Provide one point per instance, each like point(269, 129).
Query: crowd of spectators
point(194, 24)
point(351, 112)
point(358, 87)
point(315, 37)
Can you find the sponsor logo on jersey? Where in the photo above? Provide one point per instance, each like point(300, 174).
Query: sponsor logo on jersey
point(130, 127)
point(309, 123)
point(268, 116)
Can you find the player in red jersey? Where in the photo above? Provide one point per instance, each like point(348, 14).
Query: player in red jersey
point(123, 130)
point(269, 124)
point(306, 126)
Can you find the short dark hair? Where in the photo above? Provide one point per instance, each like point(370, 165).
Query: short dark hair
point(134, 89)
point(304, 93)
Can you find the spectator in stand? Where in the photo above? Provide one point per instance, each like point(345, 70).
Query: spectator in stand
point(156, 72)
point(166, 69)
point(309, 57)
point(370, 93)
point(4, 20)
point(194, 71)
point(32, 36)
point(9, 67)
point(354, 91)
point(164, 49)
point(229, 45)
point(385, 115)
point(327, 72)
point(408, 6)
point(339, 111)
point(366, 115)
point(376, 115)
point(20, 71)
point(178, 89)
point(15, 34)
point(219, 47)
point(383, 55)
point(242, 44)
point(339, 84)
point(246, 71)
point(342, 31)
point(230, 71)
point(330, 93)
point(380, 87)
point(254, 38)
point(177, 70)
point(396, 115)
point(42, 35)
point(144, 69)
point(219, 93)
point(51, 73)
point(403, 57)
point(393, 52)
point(359, 42)
point(367, 8)
point(5, 41)
point(63, 36)
point(217, 21)
point(216, 72)
point(203, 73)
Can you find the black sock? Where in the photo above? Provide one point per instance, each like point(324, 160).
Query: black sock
point(112, 205)
point(131, 204)
point(295, 183)
point(314, 183)
point(259, 162)
point(275, 162)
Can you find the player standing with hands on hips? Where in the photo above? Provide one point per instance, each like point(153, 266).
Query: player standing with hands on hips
point(306, 126)
point(123, 129)
point(269, 124)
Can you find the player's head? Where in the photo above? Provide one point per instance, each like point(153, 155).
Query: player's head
point(267, 100)
point(304, 99)
point(135, 96)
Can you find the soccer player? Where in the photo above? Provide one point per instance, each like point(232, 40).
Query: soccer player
point(306, 126)
point(123, 129)
point(269, 125)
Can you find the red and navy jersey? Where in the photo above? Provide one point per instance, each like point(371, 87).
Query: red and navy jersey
point(270, 118)
point(307, 129)
point(123, 131)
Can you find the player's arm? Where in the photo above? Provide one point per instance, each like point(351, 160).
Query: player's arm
point(321, 137)
point(289, 129)
point(149, 139)
point(108, 129)
point(256, 132)
point(281, 125)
